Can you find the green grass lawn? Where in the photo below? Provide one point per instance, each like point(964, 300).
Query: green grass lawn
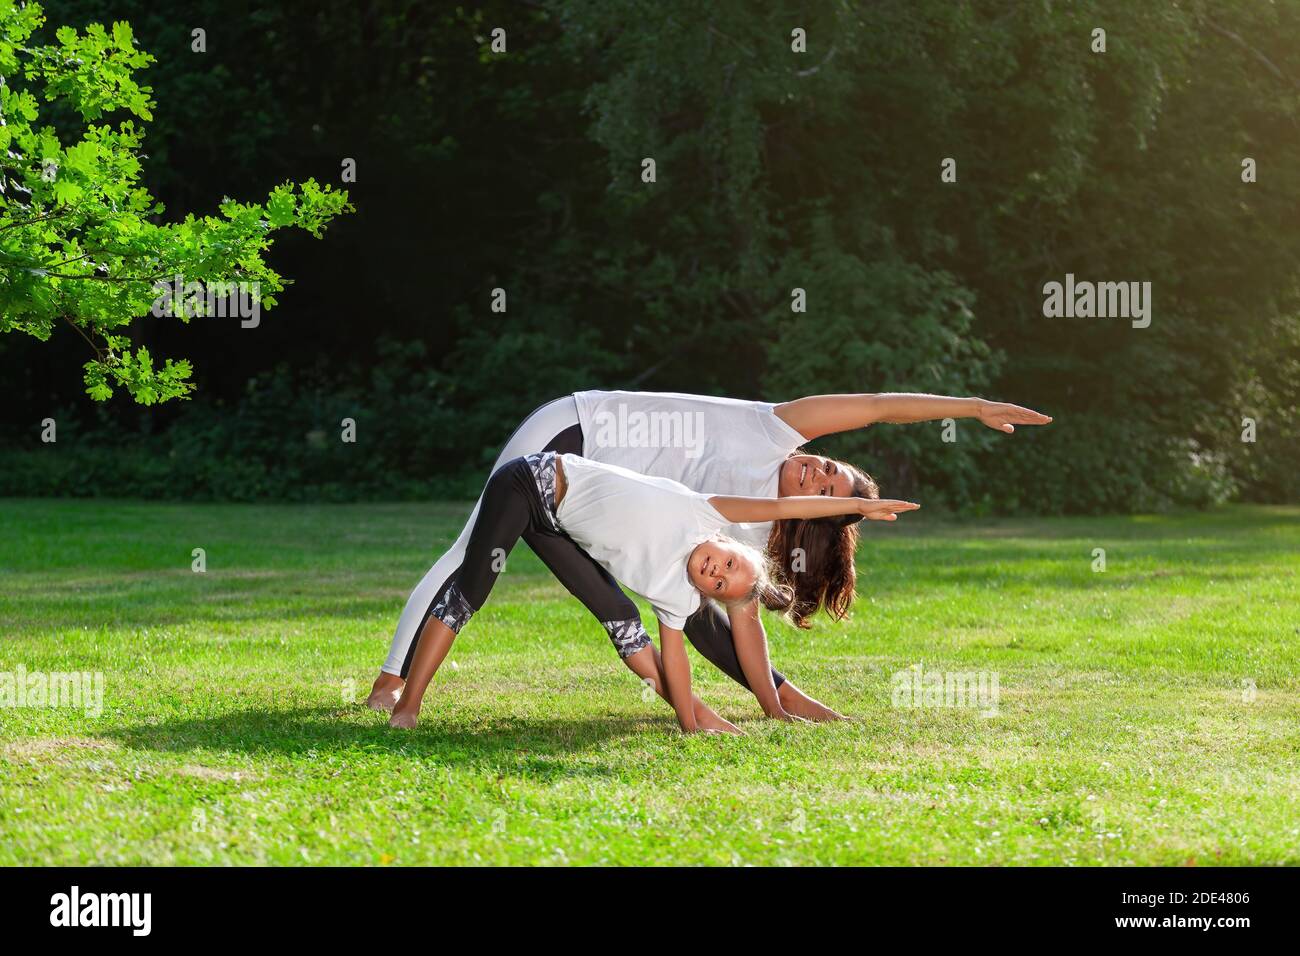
point(1148, 714)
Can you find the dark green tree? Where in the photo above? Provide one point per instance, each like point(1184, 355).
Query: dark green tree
point(81, 239)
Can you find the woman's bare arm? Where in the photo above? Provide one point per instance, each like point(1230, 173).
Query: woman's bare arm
point(820, 415)
point(737, 509)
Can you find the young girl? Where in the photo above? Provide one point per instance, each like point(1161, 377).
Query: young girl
point(654, 535)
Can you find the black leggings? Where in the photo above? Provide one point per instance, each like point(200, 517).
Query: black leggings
point(511, 509)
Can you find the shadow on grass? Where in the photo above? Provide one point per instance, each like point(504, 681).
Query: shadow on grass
point(532, 745)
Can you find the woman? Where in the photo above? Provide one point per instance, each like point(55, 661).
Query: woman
point(720, 446)
point(654, 534)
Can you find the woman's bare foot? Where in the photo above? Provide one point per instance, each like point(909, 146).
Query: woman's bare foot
point(386, 691)
point(405, 719)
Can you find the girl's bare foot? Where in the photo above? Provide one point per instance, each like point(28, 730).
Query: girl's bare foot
point(386, 691)
point(404, 719)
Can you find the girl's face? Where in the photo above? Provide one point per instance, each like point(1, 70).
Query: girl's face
point(720, 570)
point(813, 475)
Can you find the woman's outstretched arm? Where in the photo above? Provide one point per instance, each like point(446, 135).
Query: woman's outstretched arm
point(737, 509)
point(820, 415)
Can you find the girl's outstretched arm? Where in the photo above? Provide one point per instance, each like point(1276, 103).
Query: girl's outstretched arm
point(736, 509)
point(820, 415)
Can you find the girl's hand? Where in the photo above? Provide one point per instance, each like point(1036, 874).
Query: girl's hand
point(884, 509)
point(708, 721)
point(1005, 417)
point(729, 729)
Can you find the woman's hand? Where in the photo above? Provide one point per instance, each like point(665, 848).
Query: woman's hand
point(819, 415)
point(1005, 417)
point(884, 509)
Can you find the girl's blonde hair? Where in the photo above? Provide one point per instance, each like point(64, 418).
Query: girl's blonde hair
point(768, 587)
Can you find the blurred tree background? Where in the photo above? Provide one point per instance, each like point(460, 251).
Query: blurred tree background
point(775, 170)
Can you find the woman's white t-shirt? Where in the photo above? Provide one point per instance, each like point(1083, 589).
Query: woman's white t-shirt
point(639, 528)
point(716, 446)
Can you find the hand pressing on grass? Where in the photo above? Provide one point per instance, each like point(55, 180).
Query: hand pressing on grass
point(794, 701)
point(707, 721)
point(648, 666)
point(790, 718)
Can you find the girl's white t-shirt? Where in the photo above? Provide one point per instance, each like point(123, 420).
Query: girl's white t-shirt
point(639, 528)
point(716, 446)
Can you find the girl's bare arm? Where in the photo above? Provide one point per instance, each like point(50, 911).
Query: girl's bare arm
point(751, 650)
point(737, 509)
point(677, 675)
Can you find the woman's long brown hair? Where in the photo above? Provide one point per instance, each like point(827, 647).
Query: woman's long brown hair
point(815, 558)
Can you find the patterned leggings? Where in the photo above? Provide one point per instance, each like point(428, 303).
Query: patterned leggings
point(519, 502)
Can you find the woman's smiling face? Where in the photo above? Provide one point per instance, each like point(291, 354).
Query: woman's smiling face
point(721, 570)
point(813, 475)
